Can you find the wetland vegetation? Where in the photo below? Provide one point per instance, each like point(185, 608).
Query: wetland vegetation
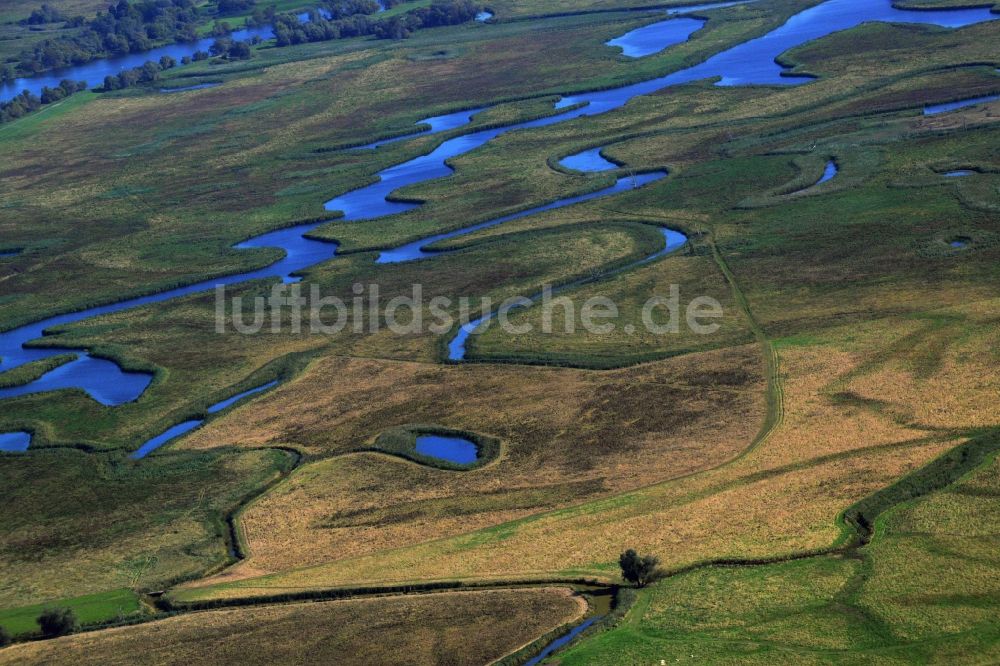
point(817, 478)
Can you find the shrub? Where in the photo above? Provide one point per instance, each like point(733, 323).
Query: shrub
point(639, 570)
point(57, 622)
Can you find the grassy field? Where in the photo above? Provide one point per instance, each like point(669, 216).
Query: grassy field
point(79, 523)
point(89, 609)
point(473, 627)
point(923, 591)
point(857, 346)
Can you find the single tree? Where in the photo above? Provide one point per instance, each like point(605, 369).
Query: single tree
point(57, 622)
point(639, 570)
point(5, 638)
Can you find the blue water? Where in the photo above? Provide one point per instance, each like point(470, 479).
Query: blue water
point(15, 441)
point(752, 62)
point(829, 171)
point(167, 436)
point(672, 241)
point(94, 72)
point(453, 449)
point(959, 173)
point(561, 641)
point(934, 109)
point(9, 253)
point(654, 38)
point(435, 125)
point(483, 17)
point(102, 380)
point(229, 402)
point(588, 160)
point(187, 426)
point(419, 249)
point(199, 86)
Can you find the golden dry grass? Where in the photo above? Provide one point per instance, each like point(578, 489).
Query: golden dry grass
point(567, 436)
point(781, 497)
point(950, 379)
point(447, 628)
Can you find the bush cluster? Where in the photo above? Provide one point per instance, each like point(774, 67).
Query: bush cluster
point(356, 18)
point(57, 622)
point(439, 13)
point(235, 6)
point(44, 14)
point(231, 50)
point(27, 102)
point(124, 28)
point(149, 71)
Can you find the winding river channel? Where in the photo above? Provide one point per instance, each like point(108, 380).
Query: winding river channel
point(749, 63)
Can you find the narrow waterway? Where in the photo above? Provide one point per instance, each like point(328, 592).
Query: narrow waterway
point(185, 427)
point(751, 62)
point(934, 109)
point(421, 249)
point(672, 241)
point(561, 641)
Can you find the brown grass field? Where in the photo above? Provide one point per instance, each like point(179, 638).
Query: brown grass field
point(567, 435)
point(457, 628)
point(831, 450)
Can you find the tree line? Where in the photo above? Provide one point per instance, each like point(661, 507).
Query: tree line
point(224, 47)
point(124, 28)
point(27, 102)
point(357, 18)
point(439, 13)
point(136, 27)
point(46, 14)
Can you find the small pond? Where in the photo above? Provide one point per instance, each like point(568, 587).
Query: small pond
point(829, 171)
point(589, 160)
point(15, 441)
point(444, 447)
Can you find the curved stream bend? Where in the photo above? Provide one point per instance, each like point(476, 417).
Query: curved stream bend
point(751, 62)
